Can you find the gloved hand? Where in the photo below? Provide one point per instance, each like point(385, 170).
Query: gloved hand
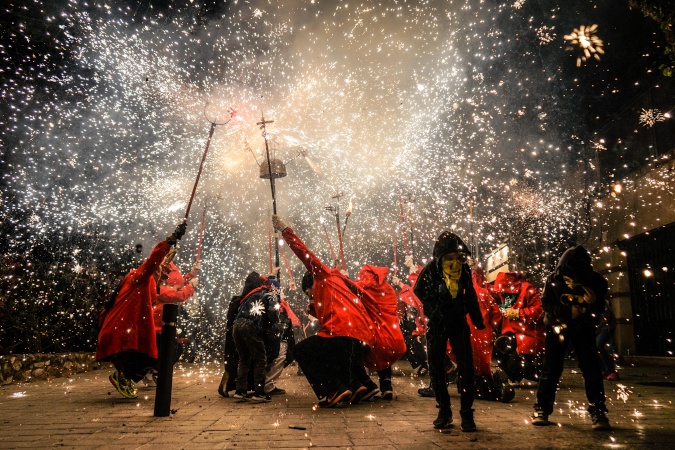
point(278, 223)
point(180, 230)
point(194, 282)
point(409, 263)
point(178, 233)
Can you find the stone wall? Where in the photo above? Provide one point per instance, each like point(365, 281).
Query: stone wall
point(24, 368)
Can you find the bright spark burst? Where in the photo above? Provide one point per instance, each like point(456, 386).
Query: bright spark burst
point(649, 117)
point(546, 34)
point(257, 308)
point(622, 392)
point(585, 38)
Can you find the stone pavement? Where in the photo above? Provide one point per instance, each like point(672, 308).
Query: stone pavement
point(85, 411)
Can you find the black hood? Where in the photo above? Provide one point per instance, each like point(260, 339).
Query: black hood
point(253, 281)
point(576, 264)
point(449, 242)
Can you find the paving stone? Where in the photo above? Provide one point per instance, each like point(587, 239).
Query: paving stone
point(85, 412)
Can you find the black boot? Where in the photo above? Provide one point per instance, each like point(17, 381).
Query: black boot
point(444, 419)
point(222, 387)
point(467, 420)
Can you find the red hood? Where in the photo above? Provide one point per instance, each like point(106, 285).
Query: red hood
point(175, 278)
point(508, 282)
point(372, 275)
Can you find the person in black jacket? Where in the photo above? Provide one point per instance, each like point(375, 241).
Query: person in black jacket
point(573, 301)
point(258, 315)
point(227, 383)
point(446, 290)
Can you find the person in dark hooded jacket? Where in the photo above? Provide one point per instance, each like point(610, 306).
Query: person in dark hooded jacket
point(446, 290)
point(228, 381)
point(573, 301)
point(257, 316)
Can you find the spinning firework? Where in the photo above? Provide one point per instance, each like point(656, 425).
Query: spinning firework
point(590, 43)
point(649, 117)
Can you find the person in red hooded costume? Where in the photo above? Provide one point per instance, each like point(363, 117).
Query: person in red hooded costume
point(521, 345)
point(173, 288)
point(373, 280)
point(127, 335)
point(331, 358)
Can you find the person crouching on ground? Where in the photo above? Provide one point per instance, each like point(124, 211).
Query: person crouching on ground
point(372, 279)
point(127, 337)
point(446, 290)
point(345, 334)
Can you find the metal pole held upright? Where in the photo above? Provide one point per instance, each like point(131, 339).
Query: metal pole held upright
point(166, 358)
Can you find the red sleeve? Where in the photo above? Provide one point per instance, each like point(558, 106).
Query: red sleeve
point(289, 312)
point(495, 315)
point(150, 265)
point(169, 294)
point(309, 259)
point(532, 309)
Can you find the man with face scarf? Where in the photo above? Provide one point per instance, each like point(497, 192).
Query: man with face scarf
point(573, 301)
point(446, 290)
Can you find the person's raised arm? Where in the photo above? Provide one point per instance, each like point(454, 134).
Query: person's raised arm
point(309, 259)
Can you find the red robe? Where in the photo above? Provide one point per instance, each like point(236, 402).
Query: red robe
point(408, 297)
point(176, 289)
point(338, 301)
point(283, 305)
point(529, 327)
point(389, 341)
point(129, 324)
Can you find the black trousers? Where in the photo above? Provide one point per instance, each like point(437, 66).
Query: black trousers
point(251, 349)
point(582, 339)
point(331, 363)
point(459, 336)
point(133, 365)
point(415, 351)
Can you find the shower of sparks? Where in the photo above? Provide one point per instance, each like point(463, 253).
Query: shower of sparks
point(649, 117)
point(622, 392)
point(585, 38)
point(106, 131)
point(546, 34)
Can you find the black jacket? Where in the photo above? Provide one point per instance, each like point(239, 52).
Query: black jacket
point(558, 298)
point(439, 306)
